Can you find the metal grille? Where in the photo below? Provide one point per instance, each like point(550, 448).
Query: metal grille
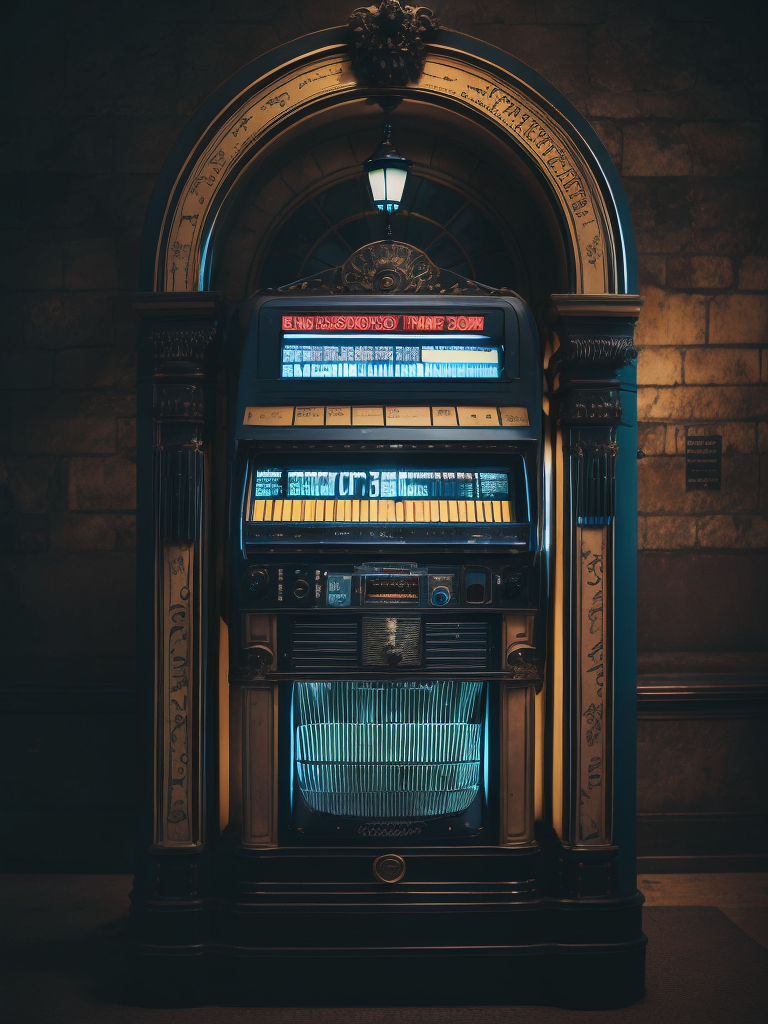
point(456, 645)
point(405, 749)
point(391, 642)
point(324, 645)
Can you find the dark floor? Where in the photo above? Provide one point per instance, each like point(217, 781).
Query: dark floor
point(64, 961)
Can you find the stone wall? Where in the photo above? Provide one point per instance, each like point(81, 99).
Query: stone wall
point(96, 96)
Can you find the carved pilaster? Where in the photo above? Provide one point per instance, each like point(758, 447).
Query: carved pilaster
point(594, 343)
point(177, 347)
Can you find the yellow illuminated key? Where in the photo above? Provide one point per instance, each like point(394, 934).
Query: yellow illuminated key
point(409, 511)
point(355, 510)
point(443, 511)
point(496, 511)
point(277, 511)
point(309, 510)
point(373, 514)
point(390, 515)
point(330, 510)
point(488, 511)
point(462, 511)
point(471, 514)
point(400, 512)
point(268, 510)
point(419, 511)
point(505, 511)
point(453, 511)
point(287, 509)
point(258, 510)
point(480, 511)
point(347, 510)
point(434, 511)
point(364, 511)
point(297, 516)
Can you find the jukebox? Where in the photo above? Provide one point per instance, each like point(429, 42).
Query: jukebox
point(386, 545)
point(414, 783)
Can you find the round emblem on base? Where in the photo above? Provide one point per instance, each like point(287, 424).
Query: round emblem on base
point(390, 868)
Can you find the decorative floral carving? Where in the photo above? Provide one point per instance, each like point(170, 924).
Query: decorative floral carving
point(388, 43)
point(389, 267)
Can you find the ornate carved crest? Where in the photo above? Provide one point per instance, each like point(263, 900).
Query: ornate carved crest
point(388, 43)
point(389, 267)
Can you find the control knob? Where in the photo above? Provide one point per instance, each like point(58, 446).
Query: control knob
point(441, 596)
point(257, 582)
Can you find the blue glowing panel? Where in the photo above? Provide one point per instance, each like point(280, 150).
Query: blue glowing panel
point(382, 749)
point(308, 358)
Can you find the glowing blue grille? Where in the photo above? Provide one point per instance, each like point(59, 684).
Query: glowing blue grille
point(400, 748)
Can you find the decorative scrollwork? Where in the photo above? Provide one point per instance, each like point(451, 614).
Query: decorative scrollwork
point(388, 43)
point(185, 344)
point(389, 267)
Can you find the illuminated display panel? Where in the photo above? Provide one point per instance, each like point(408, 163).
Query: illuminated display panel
point(409, 346)
point(332, 495)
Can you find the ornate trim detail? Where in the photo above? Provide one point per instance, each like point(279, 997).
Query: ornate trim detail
point(611, 352)
point(389, 268)
point(188, 343)
point(594, 683)
point(177, 791)
point(388, 43)
point(591, 406)
point(179, 403)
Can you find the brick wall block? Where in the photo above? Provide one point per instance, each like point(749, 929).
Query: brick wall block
point(753, 273)
point(46, 434)
point(91, 531)
point(659, 366)
point(655, 149)
point(699, 272)
point(738, 320)
point(763, 502)
point(101, 483)
point(762, 436)
point(69, 319)
point(722, 366)
point(661, 486)
point(692, 402)
point(142, 144)
point(36, 262)
point(721, 148)
point(27, 485)
point(733, 532)
point(671, 319)
point(85, 368)
point(651, 438)
point(126, 434)
point(24, 369)
point(764, 370)
point(667, 533)
point(661, 213)
point(612, 138)
point(91, 264)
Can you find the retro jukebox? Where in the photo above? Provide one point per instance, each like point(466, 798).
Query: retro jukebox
point(387, 531)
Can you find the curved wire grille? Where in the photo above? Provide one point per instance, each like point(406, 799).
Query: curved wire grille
point(382, 749)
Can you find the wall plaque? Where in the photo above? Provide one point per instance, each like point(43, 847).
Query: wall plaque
point(703, 462)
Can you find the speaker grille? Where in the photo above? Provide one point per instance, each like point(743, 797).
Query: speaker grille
point(456, 645)
point(391, 642)
point(322, 645)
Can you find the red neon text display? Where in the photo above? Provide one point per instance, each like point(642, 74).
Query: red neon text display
point(382, 322)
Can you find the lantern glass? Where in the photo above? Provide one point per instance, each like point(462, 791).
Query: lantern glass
point(387, 172)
